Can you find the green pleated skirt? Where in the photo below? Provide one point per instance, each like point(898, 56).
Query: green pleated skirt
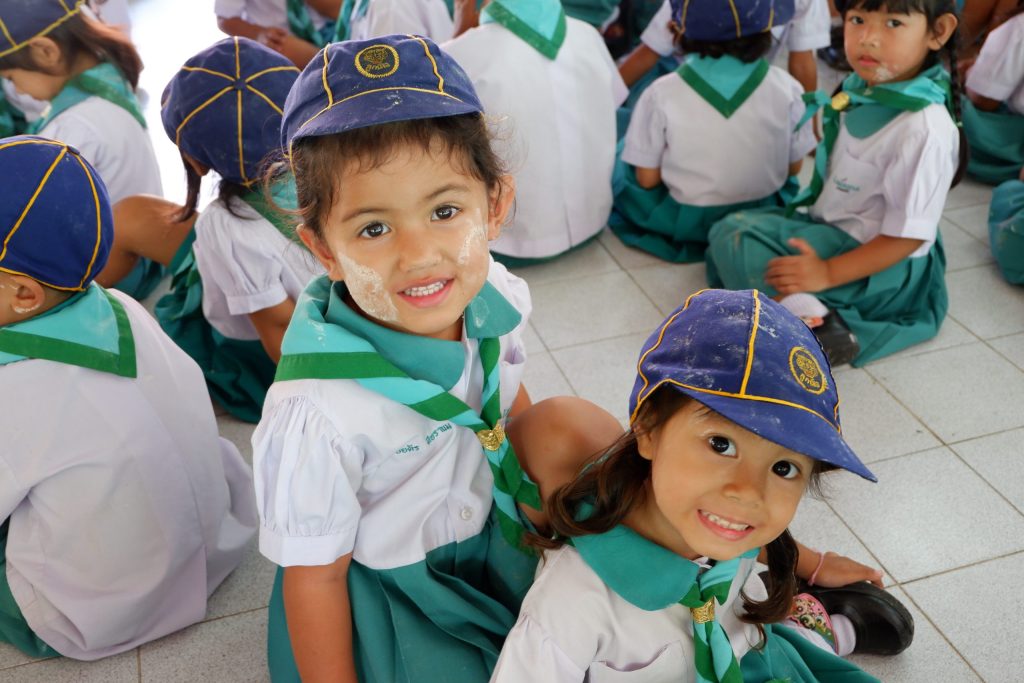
point(142, 280)
point(901, 306)
point(788, 658)
point(13, 627)
point(1006, 230)
point(651, 220)
point(238, 372)
point(442, 620)
point(996, 140)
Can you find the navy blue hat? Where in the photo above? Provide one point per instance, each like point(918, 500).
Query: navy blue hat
point(223, 108)
point(24, 20)
point(55, 221)
point(753, 362)
point(359, 83)
point(721, 20)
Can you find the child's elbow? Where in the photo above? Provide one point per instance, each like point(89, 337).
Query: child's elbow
point(648, 178)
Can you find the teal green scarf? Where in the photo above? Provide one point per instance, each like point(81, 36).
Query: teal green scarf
point(328, 340)
point(300, 22)
point(90, 330)
point(103, 80)
point(652, 578)
point(723, 82)
point(276, 209)
point(868, 110)
point(349, 9)
point(539, 23)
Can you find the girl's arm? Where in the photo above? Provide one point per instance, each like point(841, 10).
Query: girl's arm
point(270, 324)
point(320, 621)
point(637, 63)
point(981, 102)
point(835, 571)
point(236, 26)
point(648, 177)
point(327, 8)
point(807, 272)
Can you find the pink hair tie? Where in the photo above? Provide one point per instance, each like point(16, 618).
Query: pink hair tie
point(814, 574)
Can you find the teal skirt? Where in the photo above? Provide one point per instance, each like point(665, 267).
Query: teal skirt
point(901, 306)
point(142, 280)
point(238, 372)
point(996, 140)
point(1006, 230)
point(651, 220)
point(13, 627)
point(788, 658)
point(442, 620)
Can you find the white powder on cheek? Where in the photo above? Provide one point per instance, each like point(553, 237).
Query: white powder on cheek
point(477, 236)
point(367, 288)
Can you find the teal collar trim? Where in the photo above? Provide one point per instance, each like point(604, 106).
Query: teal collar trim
point(880, 104)
point(723, 82)
point(90, 330)
point(104, 81)
point(324, 324)
point(540, 23)
point(284, 199)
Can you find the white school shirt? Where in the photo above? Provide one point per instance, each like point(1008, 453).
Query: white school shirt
point(998, 72)
point(246, 265)
point(894, 182)
point(127, 509)
point(428, 18)
point(574, 628)
point(559, 116)
point(266, 13)
point(807, 30)
point(709, 160)
point(113, 142)
point(341, 469)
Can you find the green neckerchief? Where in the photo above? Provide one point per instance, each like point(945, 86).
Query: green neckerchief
point(868, 110)
point(12, 120)
point(623, 558)
point(350, 9)
point(328, 340)
point(301, 24)
point(593, 12)
point(103, 80)
point(723, 82)
point(284, 199)
point(90, 330)
point(540, 23)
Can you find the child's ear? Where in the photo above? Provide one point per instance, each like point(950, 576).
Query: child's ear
point(322, 252)
point(29, 295)
point(501, 199)
point(942, 31)
point(46, 54)
point(645, 444)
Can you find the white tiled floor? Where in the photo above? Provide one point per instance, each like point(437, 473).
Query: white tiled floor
point(942, 425)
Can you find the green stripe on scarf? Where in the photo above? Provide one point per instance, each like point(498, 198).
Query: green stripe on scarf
point(869, 109)
point(712, 78)
point(104, 81)
point(540, 24)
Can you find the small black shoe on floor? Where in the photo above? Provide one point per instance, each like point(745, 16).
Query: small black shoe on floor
point(839, 343)
point(882, 624)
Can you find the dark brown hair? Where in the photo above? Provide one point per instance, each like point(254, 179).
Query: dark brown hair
point(319, 161)
point(227, 192)
point(81, 34)
point(617, 482)
point(746, 49)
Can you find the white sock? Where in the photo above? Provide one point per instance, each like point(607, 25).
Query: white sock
point(846, 637)
point(804, 305)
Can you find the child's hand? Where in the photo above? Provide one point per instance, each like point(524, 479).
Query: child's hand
point(839, 570)
point(293, 48)
point(804, 272)
point(272, 37)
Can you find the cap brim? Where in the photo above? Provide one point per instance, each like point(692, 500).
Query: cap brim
point(382, 106)
point(801, 430)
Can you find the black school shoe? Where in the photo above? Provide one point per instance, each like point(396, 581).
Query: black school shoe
point(882, 624)
point(839, 343)
point(835, 54)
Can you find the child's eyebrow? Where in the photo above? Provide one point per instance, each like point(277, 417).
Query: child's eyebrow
point(450, 187)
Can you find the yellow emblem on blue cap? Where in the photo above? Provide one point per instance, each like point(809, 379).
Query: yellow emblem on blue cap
point(806, 370)
point(377, 61)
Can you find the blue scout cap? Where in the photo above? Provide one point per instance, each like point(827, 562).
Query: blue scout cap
point(359, 83)
point(224, 106)
point(753, 362)
point(55, 221)
point(24, 20)
point(721, 20)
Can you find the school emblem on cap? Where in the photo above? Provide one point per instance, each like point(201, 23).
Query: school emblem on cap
point(377, 61)
point(806, 370)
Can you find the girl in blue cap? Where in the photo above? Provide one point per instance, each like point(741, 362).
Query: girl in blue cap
point(121, 508)
point(718, 135)
point(234, 289)
point(394, 447)
point(994, 108)
point(649, 573)
point(866, 263)
point(88, 73)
